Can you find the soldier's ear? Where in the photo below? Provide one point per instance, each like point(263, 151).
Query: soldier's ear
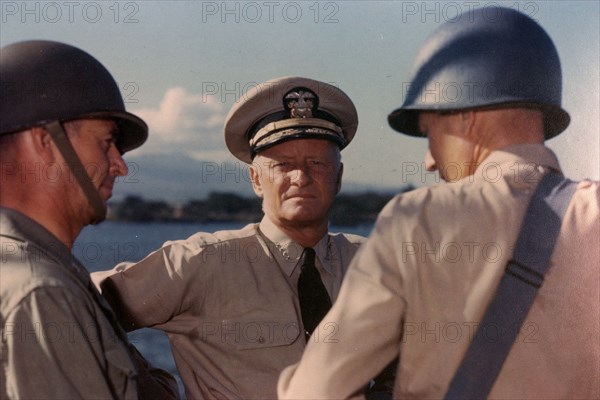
point(255, 176)
point(41, 141)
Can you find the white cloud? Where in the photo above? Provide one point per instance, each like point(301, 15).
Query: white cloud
point(185, 123)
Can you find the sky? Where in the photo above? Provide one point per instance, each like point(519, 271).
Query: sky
point(181, 65)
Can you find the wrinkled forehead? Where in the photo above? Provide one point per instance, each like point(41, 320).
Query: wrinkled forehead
point(302, 149)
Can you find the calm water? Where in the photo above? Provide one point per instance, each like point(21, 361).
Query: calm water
point(101, 247)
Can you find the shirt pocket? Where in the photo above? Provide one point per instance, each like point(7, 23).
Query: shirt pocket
point(258, 333)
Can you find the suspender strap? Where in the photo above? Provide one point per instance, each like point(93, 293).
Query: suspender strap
point(516, 292)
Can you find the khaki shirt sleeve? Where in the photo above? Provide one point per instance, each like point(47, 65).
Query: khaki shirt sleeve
point(55, 350)
point(366, 314)
point(152, 291)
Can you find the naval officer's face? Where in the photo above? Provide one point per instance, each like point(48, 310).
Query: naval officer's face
point(297, 181)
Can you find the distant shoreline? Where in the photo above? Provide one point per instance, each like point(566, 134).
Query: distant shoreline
point(348, 209)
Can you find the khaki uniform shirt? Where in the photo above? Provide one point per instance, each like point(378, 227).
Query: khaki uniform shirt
point(228, 303)
point(57, 341)
point(421, 284)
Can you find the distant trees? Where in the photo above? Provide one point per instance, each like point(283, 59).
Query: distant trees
point(220, 207)
point(347, 210)
point(357, 209)
point(135, 208)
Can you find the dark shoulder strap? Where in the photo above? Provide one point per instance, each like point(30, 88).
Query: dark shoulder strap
point(517, 290)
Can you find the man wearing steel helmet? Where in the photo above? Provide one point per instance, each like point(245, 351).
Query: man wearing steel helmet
point(238, 306)
point(61, 116)
point(437, 255)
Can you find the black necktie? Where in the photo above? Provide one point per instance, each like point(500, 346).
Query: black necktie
point(314, 300)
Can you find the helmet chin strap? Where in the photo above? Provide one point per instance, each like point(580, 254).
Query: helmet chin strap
point(63, 143)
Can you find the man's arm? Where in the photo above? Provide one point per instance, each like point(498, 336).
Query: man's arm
point(367, 315)
point(56, 347)
point(152, 291)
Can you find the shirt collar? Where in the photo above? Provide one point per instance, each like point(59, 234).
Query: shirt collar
point(516, 160)
point(287, 252)
point(22, 228)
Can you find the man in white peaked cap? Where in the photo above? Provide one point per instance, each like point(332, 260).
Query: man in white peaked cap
point(234, 304)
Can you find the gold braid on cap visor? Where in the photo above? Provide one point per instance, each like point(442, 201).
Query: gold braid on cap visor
point(294, 127)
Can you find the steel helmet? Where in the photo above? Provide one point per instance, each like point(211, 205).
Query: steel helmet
point(485, 58)
point(44, 81)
